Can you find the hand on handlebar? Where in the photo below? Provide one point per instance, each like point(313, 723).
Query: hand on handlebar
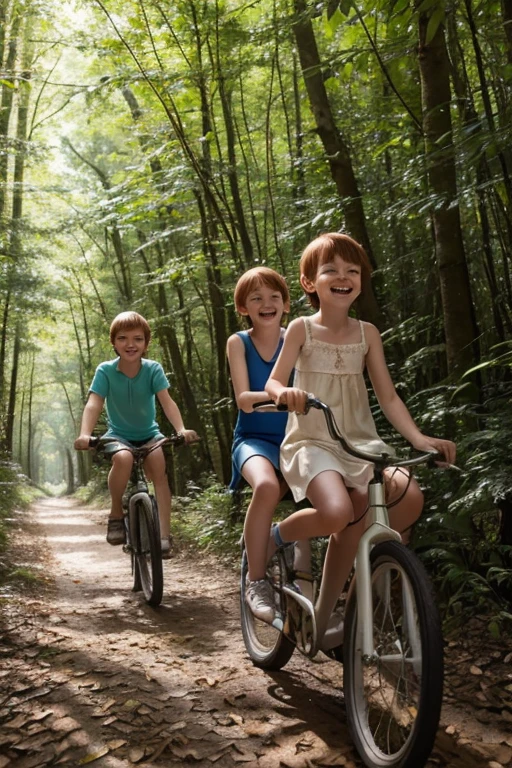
point(293, 398)
point(82, 443)
point(189, 435)
point(447, 448)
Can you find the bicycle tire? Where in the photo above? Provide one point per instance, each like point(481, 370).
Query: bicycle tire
point(137, 586)
point(393, 701)
point(148, 571)
point(268, 647)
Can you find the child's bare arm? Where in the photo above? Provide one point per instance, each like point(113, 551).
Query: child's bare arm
point(276, 386)
point(90, 416)
point(244, 396)
point(173, 414)
point(393, 407)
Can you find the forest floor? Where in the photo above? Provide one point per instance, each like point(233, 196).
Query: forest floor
point(90, 674)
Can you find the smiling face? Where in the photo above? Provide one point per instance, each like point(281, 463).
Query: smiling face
point(264, 305)
point(335, 281)
point(130, 344)
point(325, 250)
point(261, 295)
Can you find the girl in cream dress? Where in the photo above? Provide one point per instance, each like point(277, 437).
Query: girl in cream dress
point(330, 351)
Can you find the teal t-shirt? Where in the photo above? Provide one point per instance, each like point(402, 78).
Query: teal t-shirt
point(130, 402)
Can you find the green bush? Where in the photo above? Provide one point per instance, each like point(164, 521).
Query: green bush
point(16, 493)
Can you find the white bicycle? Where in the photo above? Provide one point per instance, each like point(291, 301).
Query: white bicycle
point(392, 648)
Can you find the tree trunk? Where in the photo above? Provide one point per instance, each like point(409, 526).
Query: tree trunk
point(9, 422)
point(166, 331)
point(336, 149)
point(469, 120)
point(3, 350)
point(506, 11)
point(232, 173)
point(459, 320)
point(7, 82)
point(487, 101)
point(30, 433)
point(70, 473)
point(112, 232)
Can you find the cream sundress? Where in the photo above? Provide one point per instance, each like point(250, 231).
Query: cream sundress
point(334, 374)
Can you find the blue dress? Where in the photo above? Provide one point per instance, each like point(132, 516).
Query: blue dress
point(256, 434)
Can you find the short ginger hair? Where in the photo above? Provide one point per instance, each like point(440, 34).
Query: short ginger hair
point(128, 321)
point(256, 277)
point(323, 250)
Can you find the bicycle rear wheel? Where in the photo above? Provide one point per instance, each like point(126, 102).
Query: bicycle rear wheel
point(393, 700)
point(147, 553)
point(267, 646)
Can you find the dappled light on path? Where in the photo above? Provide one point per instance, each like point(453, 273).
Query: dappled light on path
point(95, 675)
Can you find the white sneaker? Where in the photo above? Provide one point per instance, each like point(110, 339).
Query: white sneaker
point(259, 596)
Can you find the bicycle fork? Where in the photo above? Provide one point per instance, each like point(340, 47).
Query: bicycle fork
point(378, 530)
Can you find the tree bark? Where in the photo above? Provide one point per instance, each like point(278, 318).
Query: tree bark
point(483, 188)
point(11, 407)
point(336, 149)
point(30, 432)
point(506, 11)
point(6, 101)
point(459, 321)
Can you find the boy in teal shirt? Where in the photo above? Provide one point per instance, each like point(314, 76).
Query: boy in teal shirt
point(128, 386)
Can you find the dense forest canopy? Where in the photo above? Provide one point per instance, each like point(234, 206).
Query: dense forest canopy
point(150, 152)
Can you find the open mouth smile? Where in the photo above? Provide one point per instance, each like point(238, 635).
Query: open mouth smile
point(341, 291)
point(270, 313)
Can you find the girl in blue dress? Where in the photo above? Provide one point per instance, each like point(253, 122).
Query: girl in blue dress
point(262, 296)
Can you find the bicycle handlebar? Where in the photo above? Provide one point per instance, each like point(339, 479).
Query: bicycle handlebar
point(382, 460)
point(176, 440)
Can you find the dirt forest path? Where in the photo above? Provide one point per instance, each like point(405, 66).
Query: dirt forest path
point(91, 675)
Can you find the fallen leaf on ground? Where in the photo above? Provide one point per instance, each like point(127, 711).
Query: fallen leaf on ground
point(93, 756)
point(65, 724)
point(116, 743)
point(137, 754)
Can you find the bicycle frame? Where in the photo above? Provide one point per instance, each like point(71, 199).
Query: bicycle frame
point(377, 530)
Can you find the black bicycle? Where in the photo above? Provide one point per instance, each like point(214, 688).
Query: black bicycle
point(141, 520)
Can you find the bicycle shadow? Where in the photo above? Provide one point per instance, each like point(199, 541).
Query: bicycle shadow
point(314, 703)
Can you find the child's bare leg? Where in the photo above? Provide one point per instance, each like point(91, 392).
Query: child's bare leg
point(343, 546)
point(332, 512)
point(267, 490)
point(339, 560)
point(118, 477)
point(406, 511)
point(154, 467)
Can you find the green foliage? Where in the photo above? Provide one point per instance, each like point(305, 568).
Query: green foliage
point(210, 518)
point(459, 535)
point(96, 490)
point(15, 495)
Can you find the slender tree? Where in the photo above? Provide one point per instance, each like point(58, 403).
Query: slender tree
point(458, 314)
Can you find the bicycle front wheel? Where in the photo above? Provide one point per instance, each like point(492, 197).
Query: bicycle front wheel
point(267, 646)
point(147, 552)
point(393, 700)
